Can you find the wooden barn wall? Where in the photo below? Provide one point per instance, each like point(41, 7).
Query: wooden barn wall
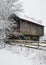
point(31, 29)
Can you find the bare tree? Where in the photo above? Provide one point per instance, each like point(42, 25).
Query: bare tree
point(8, 7)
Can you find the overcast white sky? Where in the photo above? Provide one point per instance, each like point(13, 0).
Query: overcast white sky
point(36, 9)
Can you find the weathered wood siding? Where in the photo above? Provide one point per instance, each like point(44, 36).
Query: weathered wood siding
point(31, 29)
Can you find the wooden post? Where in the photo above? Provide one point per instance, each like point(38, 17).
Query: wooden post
point(38, 44)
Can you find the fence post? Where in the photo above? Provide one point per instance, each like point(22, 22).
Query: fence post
point(38, 44)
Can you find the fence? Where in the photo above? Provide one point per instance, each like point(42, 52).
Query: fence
point(32, 44)
point(25, 43)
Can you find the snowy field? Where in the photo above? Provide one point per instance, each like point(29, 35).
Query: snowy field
point(16, 55)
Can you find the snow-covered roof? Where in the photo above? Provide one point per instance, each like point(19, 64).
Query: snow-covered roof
point(24, 17)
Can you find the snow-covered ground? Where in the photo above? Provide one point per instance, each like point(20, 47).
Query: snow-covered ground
point(16, 55)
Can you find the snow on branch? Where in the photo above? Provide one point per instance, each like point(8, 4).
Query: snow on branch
point(7, 7)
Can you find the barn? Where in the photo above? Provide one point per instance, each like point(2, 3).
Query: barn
point(28, 29)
